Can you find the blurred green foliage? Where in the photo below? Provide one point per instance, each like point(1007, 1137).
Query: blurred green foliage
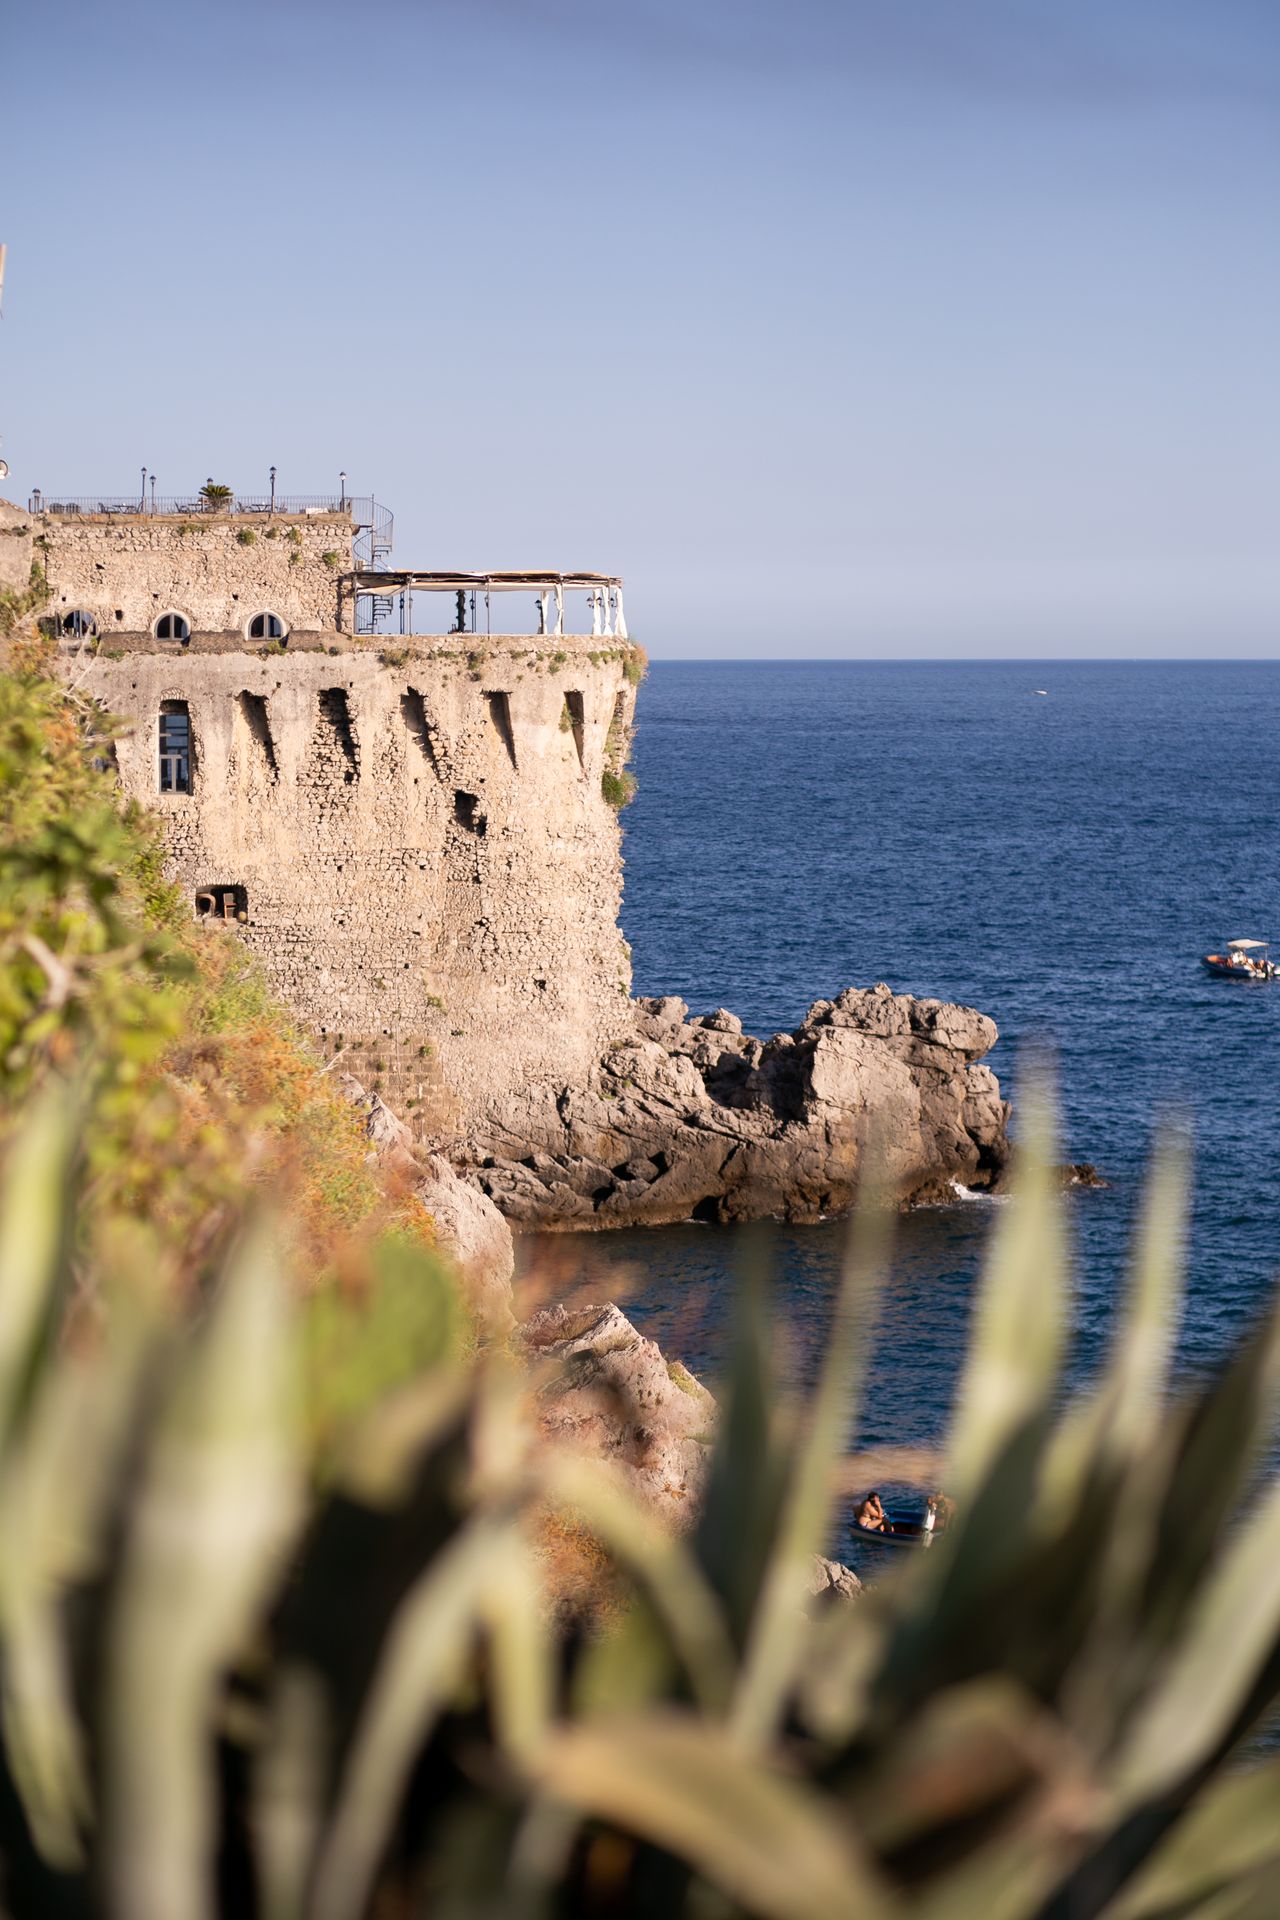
point(224, 1694)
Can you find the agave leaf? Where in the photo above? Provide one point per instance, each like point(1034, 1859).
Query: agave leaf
point(779, 1624)
point(54, 1491)
point(514, 1611)
point(1016, 1345)
point(1229, 1836)
point(42, 1738)
point(689, 1610)
point(744, 1486)
point(1212, 1451)
point(1118, 1421)
point(422, 1664)
point(288, 1790)
point(34, 1225)
point(686, 1787)
point(981, 1751)
point(376, 1462)
point(1007, 1879)
point(1233, 1630)
point(1117, 1444)
point(219, 1494)
point(1140, 1368)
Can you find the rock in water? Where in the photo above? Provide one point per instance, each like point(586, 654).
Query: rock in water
point(829, 1581)
point(609, 1393)
point(693, 1119)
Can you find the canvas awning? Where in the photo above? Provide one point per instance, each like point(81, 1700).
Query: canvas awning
point(396, 580)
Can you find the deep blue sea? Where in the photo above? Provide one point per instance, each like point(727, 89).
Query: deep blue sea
point(1061, 862)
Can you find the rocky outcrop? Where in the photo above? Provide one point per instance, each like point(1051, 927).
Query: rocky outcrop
point(608, 1392)
point(829, 1581)
point(469, 1228)
point(694, 1119)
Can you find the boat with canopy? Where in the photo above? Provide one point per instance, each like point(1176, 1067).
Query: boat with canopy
point(1243, 960)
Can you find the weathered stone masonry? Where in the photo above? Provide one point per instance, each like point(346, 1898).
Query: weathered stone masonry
point(432, 876)
point(414, 829)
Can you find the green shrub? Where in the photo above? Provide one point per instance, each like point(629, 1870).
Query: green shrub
point(246, 536)
point(635, 664)
point(331, 559)
point(619, 789)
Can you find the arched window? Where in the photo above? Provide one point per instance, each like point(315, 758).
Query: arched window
point(79, 623)
point(172, 626)
point(266, 626)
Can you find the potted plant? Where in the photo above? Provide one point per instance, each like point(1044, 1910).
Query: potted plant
point(216, 498)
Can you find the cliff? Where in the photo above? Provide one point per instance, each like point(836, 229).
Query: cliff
point(694, 1119)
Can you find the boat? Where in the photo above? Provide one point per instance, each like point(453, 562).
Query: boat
point(1243, 960)
point(900, 1529)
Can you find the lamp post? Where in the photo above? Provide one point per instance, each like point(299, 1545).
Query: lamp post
point(153, 493)
point(342, 503)
point(142, 497)
point(273, 489)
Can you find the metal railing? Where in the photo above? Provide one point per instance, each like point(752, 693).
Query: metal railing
point(373, 523)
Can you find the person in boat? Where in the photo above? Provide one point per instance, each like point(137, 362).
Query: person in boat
point(870, 1514)
point(938, 1513)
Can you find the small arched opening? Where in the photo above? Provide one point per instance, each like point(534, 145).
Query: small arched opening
point(173, 626)
point(266, 626)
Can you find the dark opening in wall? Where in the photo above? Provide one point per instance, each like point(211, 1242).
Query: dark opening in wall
point(222, 903)
point(253, 711)
point(466, 811)
point(574, 721)
point(418, 723)
point(335, 723)
point(499, 705)
point(177, 760)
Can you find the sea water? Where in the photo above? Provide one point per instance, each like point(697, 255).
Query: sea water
point(1061, 860)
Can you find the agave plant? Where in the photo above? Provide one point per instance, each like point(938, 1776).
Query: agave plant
point(225, 1692)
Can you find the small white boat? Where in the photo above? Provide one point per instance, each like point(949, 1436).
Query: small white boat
point(1243, 960)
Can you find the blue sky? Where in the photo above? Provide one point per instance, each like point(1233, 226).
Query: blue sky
point(922, 327)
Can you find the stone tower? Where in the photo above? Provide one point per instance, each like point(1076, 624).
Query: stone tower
point(410, 831)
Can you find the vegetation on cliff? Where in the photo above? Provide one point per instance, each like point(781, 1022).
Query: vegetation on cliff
point(194, 1091)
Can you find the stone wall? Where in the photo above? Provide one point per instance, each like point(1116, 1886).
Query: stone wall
point(218, 570)
point(16, 551)
point(431, 873)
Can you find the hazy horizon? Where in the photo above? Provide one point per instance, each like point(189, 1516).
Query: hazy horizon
point(875, 332)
